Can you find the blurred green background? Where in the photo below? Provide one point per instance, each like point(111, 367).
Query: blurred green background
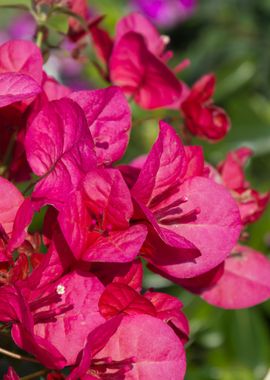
point(232, 39)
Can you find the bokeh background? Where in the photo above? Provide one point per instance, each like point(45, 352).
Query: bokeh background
point(232, 39)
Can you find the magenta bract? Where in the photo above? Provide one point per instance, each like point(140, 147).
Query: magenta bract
point(141, 74)
point(134, 339)
point(196, 212)
point(95, 222)
point(109, 120)
point(244, 283)
point(59, 149)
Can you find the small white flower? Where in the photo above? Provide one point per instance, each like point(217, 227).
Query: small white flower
point(60, 289)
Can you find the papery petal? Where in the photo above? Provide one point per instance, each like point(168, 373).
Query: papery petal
point(96, 340)
point(109, 120)
point(24, 57)
point(80, 294)
point(22, 221)
point(208, 122)
point(54, 263)
point(53, 89)
point(121, 299)
point(141, 75)
point(102, 42)
point(59, 148)
point(118, 246)
point(108, 194)
point(13, 307)
point(17, 87)
point(164, 166)
point(10, 201)
point(204, 281)
point(195, 161)
point(41, 348)
point(168, 308)
point(244, 283)
point(214, 231)
point(74, 221)
point(136, 22)
point(178, 249)
point(203, 89)
point(130, 274)
point(232, 168)
point(156, 349)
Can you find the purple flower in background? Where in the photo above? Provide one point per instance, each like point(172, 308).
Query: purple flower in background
point(22, 27)
point(166, 13)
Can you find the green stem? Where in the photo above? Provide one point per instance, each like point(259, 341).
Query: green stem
point(39, 38)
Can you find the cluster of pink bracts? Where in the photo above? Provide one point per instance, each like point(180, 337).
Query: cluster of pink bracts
point(71, 293)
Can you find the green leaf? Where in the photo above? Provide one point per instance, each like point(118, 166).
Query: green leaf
point(17, 4)
point(58, 22)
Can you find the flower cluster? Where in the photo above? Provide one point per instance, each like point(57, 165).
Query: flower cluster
point(71, 291)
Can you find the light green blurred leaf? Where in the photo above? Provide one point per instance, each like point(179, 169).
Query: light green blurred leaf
point(58, 22)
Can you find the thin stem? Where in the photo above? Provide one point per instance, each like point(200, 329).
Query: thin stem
point(35, 374)
point(17, 356)
point(39, 38)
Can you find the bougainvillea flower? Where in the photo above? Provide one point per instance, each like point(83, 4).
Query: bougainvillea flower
point(141, 74)
point(130, 274)
point(80, 8)
point(59, 149)
point(122, 299)
point(201, 116)
point(47, 320)
point(10, 201)
point(196, 212)
point(109, 120)
point(96, 340)
point(95, 220)
point(168, 309)
point(251, 203)
point(136, 22)
point(22, 57)
point(20, 71)
point(244, 282)
point(119, 298)
point(136, 61)
point(15, 310)
point(153, 345)
point(78, 313)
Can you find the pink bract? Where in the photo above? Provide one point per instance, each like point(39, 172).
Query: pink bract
point(22, 57)
point(136, 22)
point(141, 74)
point(95, 221)
point(195, 212)
point(109, 120)
point(59, 149)
point(244, 283)
point(153, 345)
point(17, 87)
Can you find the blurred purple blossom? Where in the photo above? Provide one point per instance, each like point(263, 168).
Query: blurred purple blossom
point(22, 27)
point(166, 13)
